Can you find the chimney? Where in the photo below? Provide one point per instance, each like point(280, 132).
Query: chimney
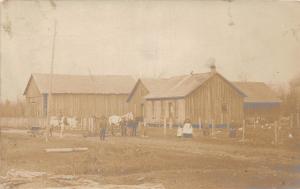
point(213, 69)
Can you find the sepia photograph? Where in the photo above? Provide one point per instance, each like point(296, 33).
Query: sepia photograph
point(149, 94)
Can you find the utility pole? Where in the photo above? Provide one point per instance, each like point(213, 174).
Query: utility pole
point(50, 84)
point(0, 60)
point(1, 2)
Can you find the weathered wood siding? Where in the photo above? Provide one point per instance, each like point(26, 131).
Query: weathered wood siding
point(137, 100)
point(209, 100)
point(34, 100)
point(157, 110)
point(83, 105)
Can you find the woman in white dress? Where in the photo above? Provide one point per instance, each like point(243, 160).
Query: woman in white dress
point(187, 129)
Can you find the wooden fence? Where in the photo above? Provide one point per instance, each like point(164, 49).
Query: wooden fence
point(87, 124)
point(22, 122)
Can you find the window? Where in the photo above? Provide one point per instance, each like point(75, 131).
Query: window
point(224, 107)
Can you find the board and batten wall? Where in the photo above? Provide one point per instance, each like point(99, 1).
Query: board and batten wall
point(80, 105)
point(157, 110)
point(137, 102)
point(84, 105)
point(215, 100)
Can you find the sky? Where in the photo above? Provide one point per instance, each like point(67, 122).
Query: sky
point(249, 40)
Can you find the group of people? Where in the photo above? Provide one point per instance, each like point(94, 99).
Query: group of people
point(128, 127)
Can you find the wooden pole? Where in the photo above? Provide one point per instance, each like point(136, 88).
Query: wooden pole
point(199, 123)
point(170, 123)
point(244, 127)
point(276, 133)
point(212, 128)
point(298, 119)
point(228, 127)
point(50, 83)
point(165, 126)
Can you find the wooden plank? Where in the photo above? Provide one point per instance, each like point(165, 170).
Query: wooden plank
point(57, 150)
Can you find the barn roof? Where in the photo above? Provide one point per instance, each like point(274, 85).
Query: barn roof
point(84, 84)
point(176, 87)
point(257, 92)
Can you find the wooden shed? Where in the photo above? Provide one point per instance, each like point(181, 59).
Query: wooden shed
point(78, 95)
point(260, 101)
point(202, 96)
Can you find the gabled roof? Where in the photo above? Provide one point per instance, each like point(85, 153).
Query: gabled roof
point(176, 87)
point(257, 92)
point(83, 84)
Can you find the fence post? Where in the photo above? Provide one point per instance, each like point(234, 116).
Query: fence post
point(228, 127)
point(291, 120)
point(244, 127)
point(212, 128)
point(165, 126)
point(298, 120)
point(199, 123)
point(276, 132)
point(170, 123)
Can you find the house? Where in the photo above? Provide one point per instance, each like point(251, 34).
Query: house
point(78, 95)
point(260, 101)
point(199, 97)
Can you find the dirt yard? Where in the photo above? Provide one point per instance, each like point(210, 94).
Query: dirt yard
point(174, 163)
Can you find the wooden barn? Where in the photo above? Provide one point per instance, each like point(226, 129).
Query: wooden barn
point(260, 101)
point(201, 96)
point(78, 95)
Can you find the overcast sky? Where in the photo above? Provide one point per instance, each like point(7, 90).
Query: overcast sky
point(253, 40)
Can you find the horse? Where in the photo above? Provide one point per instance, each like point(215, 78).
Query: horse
point(115, 120)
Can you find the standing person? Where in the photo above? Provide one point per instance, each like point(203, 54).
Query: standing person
point(179, 131)
point(123, 125)
point(135, 125)
point(63, 121)
point(103, 126)
point(142, 126)
point(187, 129)
point(51, 130)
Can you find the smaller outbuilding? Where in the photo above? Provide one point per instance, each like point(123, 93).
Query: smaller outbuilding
point(260, 101)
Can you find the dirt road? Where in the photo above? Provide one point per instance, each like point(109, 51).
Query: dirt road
point(172, 162)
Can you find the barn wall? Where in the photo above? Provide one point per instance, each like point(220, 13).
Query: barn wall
point(34, 100)
point(83, 105)
point(214, 100)
point(137, 99)
point(156, 110)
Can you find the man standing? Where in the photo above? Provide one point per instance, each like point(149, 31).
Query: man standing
point(123, 125)
point(103, 126)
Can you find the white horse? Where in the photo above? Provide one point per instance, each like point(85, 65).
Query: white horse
point(115, 120)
